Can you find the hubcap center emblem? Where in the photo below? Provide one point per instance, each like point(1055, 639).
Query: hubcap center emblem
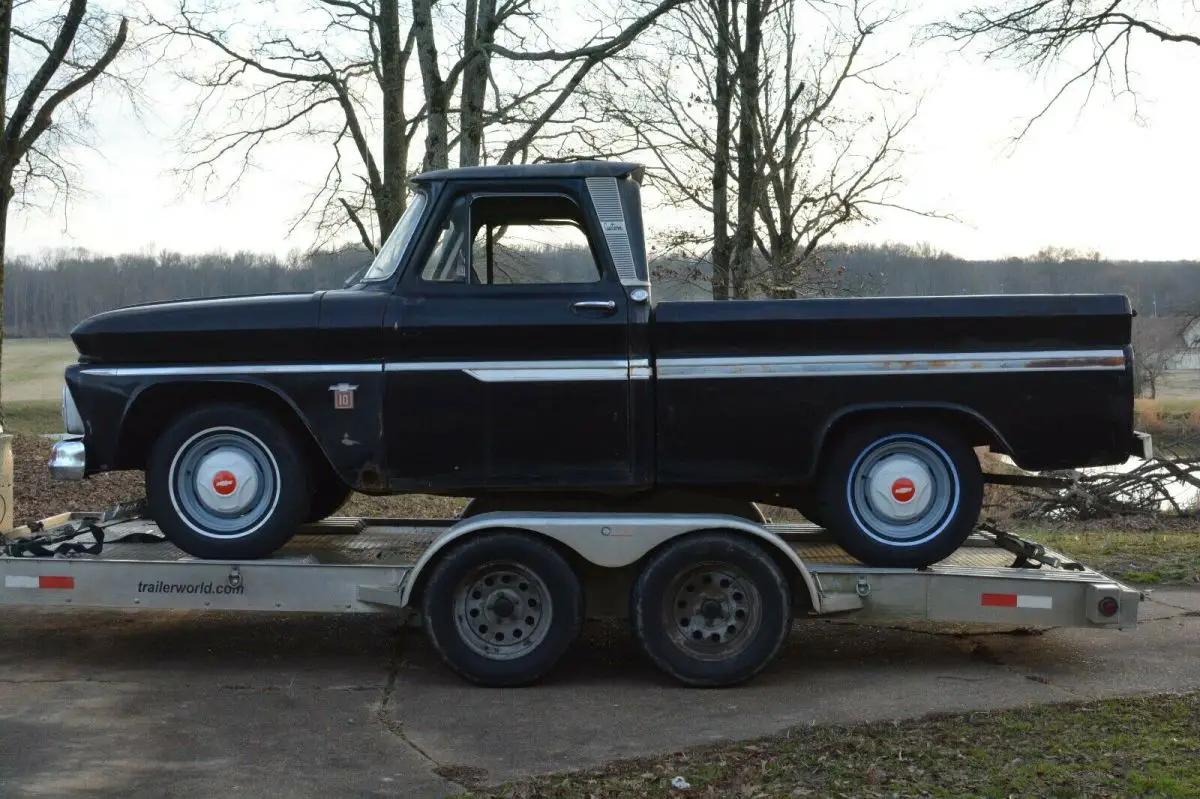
point(903, 490)
point(224, 482)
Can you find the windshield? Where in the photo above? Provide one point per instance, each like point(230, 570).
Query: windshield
point(390, 253)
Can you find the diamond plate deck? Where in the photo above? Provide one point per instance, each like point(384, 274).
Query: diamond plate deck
point(833, 555)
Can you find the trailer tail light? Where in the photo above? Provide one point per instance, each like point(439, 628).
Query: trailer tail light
point(1109, 606)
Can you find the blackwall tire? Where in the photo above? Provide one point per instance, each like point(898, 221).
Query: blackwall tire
point(329, 494)
point(502, 607)
point(901, 494)
point(227, 481)
point(711, 609)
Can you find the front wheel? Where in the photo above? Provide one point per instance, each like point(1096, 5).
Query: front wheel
point(903, 494)
point(227, 481)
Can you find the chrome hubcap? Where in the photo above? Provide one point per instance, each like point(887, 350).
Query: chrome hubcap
point(903, 490)
point(224, 483)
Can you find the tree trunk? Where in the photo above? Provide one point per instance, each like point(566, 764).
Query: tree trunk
point(395, 145)
point(437, 137)
point(720, 175)
point(743, 238)
point(477, 36)
point(6, 170)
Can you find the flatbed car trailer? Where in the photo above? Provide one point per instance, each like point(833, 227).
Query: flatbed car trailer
point(710, 598)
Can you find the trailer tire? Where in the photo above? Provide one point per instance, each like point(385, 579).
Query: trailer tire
point(738, 607)
point(502, 608)
point(878, 469)
point(227, 481)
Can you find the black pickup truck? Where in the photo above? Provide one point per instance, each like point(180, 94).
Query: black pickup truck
point(504, 345)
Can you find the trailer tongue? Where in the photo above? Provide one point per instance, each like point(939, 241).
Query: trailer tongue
point(502, 595)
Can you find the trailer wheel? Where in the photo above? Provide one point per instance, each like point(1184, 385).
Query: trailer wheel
point(227, 482)
point(502, 608)
point(711, 609)
point(901, 494)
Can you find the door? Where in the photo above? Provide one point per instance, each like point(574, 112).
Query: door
point(508, 352)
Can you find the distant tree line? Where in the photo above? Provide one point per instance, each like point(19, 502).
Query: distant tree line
point(47, 296)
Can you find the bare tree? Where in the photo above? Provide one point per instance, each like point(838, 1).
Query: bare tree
point(259, 84)
point(1157, 344)
point(806, 164)
point(327, 82)
point(801, 125)
point(72, 50)
point(1042, 34)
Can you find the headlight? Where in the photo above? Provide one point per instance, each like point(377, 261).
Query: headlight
point(72, 421)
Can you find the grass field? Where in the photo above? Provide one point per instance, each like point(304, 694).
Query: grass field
point(1121, 747)
point(32, 383)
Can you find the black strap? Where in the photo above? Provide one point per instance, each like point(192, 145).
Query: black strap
point(59, 541)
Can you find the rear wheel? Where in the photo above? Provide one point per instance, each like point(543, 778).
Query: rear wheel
point(901, 493)
point(227, 482)
point(502, 608)
point(711, 609)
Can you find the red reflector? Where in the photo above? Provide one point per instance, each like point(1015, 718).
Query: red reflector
point(999, 600)
point(56, 582)
point(1109, 606)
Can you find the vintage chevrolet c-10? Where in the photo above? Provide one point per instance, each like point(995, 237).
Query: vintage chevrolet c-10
point(541, 375)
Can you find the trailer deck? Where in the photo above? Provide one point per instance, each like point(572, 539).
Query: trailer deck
point(352, 564)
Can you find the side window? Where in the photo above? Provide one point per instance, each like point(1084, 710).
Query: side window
point(528, 241)
point(447, 262)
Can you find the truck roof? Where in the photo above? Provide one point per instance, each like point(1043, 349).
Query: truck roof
point(567, 169)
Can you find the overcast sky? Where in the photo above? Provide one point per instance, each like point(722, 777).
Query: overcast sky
point(1094, 178)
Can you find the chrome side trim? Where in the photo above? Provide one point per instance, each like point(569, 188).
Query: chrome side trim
point(891, 364)
point(683, 368)
point(233, 369)
point(606, 198)
point(524, 371)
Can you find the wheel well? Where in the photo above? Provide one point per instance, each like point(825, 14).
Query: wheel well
point(159, 405)
point(973, 429)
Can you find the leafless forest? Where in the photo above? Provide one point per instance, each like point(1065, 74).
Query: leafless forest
point(46, 297)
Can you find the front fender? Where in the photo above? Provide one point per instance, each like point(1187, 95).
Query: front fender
point(348, 434)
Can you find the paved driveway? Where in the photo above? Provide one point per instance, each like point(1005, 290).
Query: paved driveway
point(180, 704)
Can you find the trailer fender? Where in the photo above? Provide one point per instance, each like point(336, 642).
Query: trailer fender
point(606, 539)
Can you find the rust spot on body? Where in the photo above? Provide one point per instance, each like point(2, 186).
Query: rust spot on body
point(1061, 363)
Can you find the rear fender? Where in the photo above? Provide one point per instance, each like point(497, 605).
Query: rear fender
point(999, 442)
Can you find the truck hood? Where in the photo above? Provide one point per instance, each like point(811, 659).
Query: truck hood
point(220, 329)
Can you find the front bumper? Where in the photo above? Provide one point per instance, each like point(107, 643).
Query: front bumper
point(1142, 446)
point(68, 459)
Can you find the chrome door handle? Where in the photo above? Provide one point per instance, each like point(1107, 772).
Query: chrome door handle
point(606, 307)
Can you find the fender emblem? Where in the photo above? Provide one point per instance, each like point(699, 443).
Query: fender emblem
point(343, 396)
